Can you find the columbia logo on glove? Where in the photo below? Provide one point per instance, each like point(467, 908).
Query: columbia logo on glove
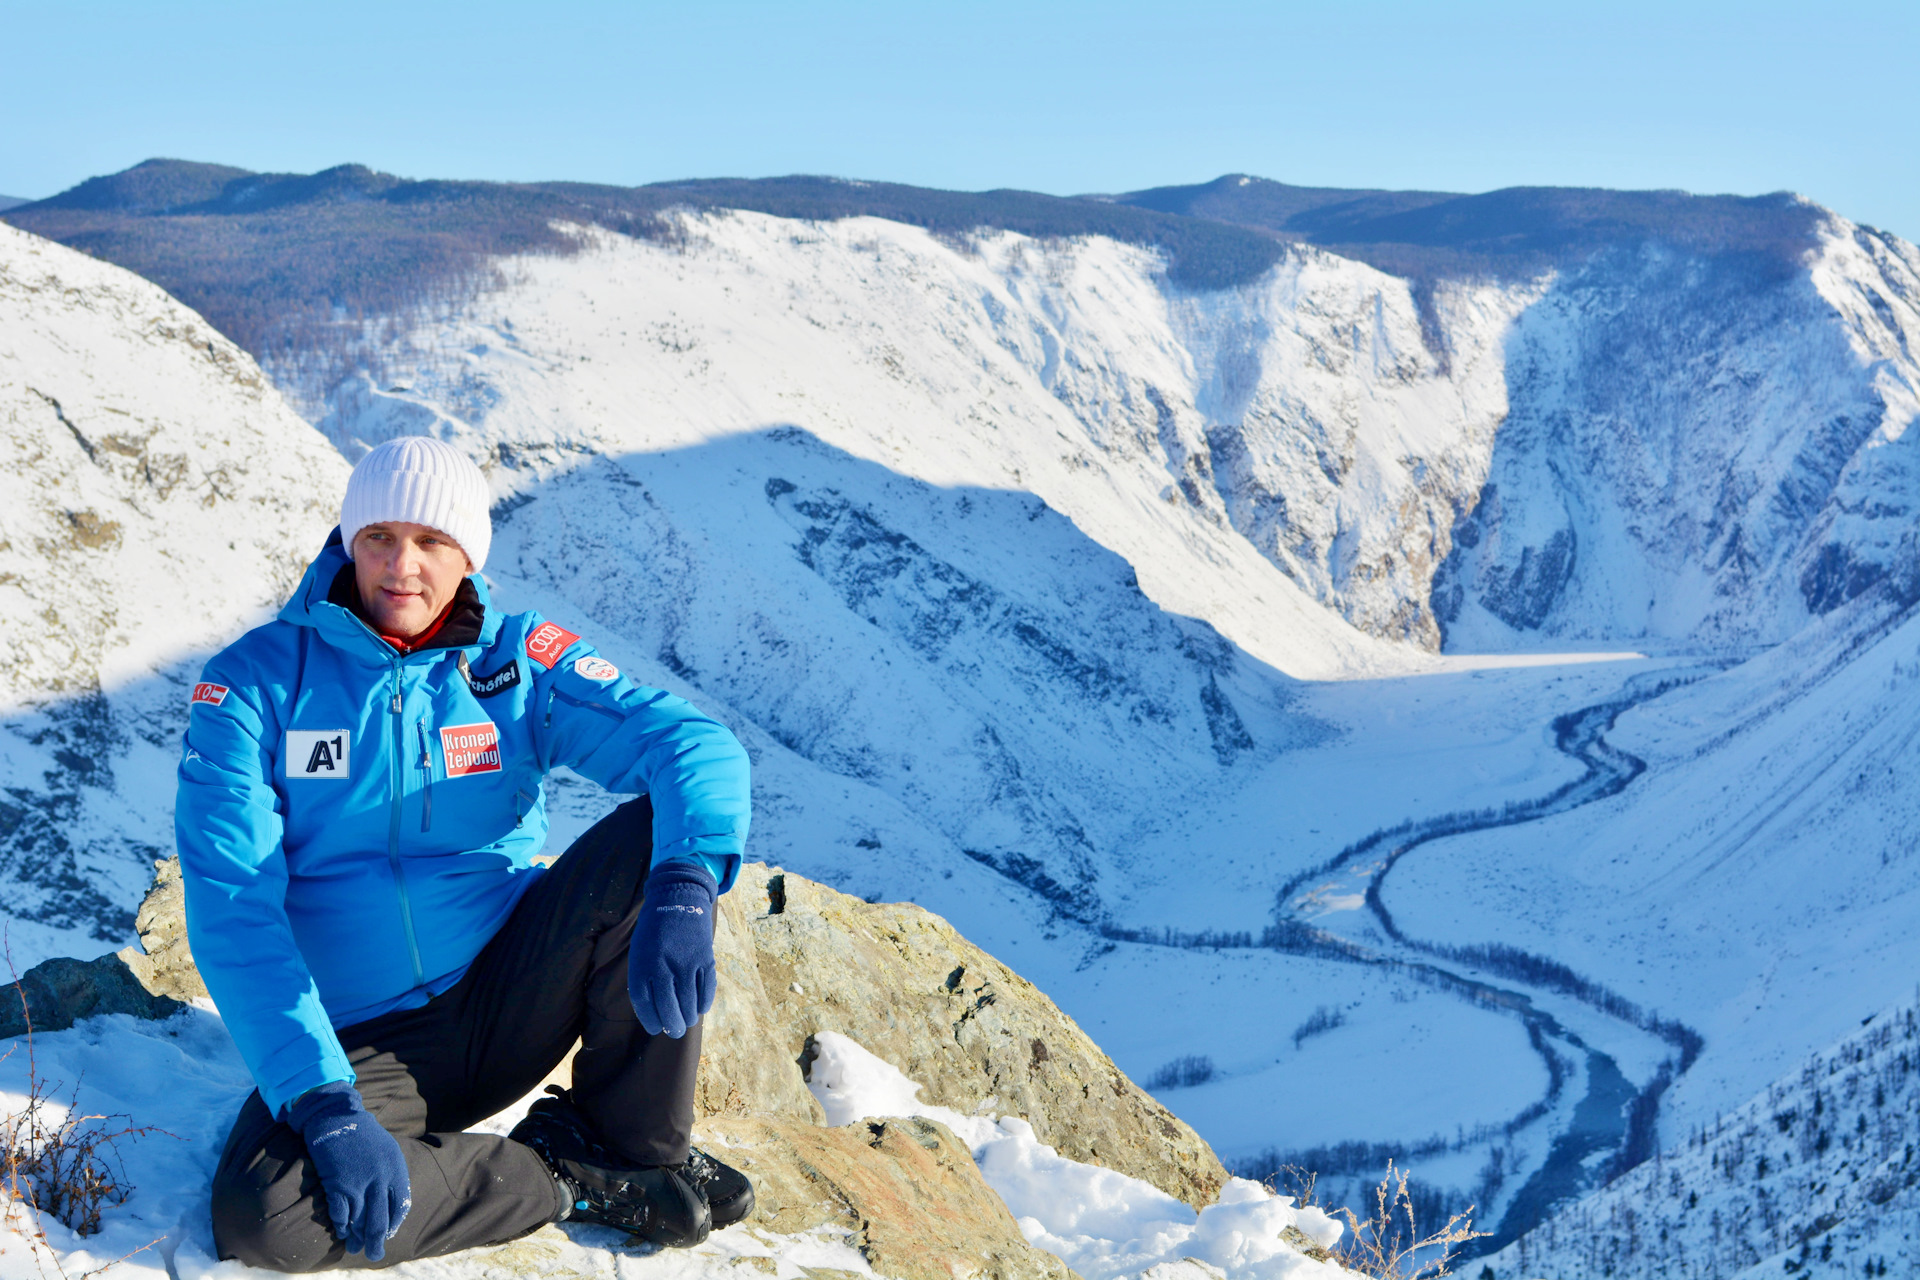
point(670, 970)
point(360, 1165)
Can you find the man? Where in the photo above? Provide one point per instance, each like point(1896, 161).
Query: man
point(360, 802)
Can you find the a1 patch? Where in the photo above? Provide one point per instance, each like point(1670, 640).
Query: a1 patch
point(211, 694)
point(547, 642)
point(470, 749)
point(595, 668)
point(321, 754)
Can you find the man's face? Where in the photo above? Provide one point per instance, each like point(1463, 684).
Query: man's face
point(406, 573)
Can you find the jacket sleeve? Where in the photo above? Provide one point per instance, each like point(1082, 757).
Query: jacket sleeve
point(228, 827)
point(629, 738)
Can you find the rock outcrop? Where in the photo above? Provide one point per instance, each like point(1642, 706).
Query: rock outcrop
point(55, 994)
point(906, 1190)
point(796, 959)
point(163, 962)
point(799, 958)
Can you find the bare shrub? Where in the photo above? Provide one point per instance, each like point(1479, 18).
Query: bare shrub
point(1182, 1073)
point(58, 1162)
point(1322, 1021)
point(1387, 1245)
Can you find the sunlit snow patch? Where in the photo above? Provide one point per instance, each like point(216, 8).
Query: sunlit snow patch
point(1103, 1224)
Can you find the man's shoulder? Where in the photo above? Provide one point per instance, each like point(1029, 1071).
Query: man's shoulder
point(264, 647)
point(249, 671)
point(535, 637)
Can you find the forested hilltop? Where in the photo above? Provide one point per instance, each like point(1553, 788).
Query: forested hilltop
point(271, 258)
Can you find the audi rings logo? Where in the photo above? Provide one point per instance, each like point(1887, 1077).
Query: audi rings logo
point(547, 642)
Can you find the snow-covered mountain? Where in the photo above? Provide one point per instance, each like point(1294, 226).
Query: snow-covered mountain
point(1698, 449)
point(1093, 609)
point(155, 499)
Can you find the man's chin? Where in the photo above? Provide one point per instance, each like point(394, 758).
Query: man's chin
point(404, 626)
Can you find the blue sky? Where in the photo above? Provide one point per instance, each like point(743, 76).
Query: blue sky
point(1063, 97)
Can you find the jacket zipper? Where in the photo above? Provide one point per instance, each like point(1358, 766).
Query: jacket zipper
point(426, 765)
point(393, 834)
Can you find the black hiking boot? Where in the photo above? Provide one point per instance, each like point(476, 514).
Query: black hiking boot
point(729, 1194)
point(659, 1203)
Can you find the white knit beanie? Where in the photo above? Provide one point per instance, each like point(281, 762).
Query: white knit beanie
point(421, 481)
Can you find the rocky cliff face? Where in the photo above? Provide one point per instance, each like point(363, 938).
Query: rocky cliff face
point(1698, 448)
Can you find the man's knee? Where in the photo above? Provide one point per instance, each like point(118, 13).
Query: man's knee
point(268, 1212)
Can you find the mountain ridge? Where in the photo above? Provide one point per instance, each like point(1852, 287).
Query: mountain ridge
point(407, 238)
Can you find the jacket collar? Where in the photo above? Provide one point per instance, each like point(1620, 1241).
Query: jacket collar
point(474, 624)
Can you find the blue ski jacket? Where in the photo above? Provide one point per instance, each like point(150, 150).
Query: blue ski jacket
point(355, 824)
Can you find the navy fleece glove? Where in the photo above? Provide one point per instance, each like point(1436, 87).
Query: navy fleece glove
point(360, 1167)
point(670, 974)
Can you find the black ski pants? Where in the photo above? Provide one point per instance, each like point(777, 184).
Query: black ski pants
point(556, 971)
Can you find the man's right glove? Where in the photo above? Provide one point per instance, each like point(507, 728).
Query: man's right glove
point(360, 1167)
point(670, 970)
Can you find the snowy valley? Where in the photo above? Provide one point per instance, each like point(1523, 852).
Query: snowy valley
point(1459, 720)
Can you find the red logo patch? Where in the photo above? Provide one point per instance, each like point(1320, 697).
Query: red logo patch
point(548, 641)
point(470, 748)
point(211, 694)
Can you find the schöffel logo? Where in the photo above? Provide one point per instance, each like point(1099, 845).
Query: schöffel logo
point(548, 641)
point(470, 748)
point(211, 694)
point(499, 682)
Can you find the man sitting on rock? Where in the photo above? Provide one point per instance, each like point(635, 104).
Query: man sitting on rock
point(360, 804)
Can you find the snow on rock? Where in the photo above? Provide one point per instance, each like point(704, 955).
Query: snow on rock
point(157, 496)
point(1340, 444)
point(1103, 1224)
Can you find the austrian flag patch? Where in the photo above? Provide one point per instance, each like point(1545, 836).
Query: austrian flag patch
point(548, 641)
point(470, 748)
point(211, 694)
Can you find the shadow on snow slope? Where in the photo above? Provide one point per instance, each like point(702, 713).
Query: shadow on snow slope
point(964, 659)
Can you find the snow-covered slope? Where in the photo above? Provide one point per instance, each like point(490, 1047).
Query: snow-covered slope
point(1699, 449)
point(1815, 1176)
point(1757, 882)
point(155, 492)
point(1017, 569)
point(1057, 369)
point(1662, 446)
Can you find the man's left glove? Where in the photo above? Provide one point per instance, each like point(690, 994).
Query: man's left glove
point(361, 1169)
point(670, 973)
